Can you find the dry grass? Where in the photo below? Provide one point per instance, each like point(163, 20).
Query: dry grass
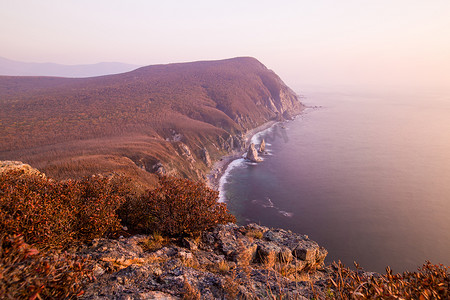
point(429, 282)
point(254, 233)
point(153, 242)
point(230, 287)
point(223, 267)
point(270, 261)
point(190, 292)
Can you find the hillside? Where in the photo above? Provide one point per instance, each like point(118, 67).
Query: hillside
point(18, 68)
point(156, 119)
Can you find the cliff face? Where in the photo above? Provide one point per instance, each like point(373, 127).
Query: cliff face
point(156, 119)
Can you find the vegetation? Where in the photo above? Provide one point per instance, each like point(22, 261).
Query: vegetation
point(429, 282)
point(26, 273)
point(54, 214)
point(127, 121)
point(39, 217)
point(178, 207)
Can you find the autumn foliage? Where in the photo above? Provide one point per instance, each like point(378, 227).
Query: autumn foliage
point(178, 207)
point(41, 216)
point(26, 273)
point(52, 213)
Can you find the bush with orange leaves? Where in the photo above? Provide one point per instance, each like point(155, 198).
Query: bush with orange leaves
point(52, 213)
point(178, 207)
point(26, 273)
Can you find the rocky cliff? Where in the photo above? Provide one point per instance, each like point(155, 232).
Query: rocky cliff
point(225, 262)
point(174, 119)
point(228, 262)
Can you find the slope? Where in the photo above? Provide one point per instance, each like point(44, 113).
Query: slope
point(156, 119)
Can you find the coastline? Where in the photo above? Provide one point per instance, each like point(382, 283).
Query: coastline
point(219, 168)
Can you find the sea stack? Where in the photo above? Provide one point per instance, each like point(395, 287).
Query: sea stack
point(262, 147)
point(252, 154)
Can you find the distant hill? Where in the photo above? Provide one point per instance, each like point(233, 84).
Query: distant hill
point(16, 68)
point(156, 119)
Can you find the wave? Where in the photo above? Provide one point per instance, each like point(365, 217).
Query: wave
point(256, 139)
point(267, 203)
point(285, 213)
point(240, 162)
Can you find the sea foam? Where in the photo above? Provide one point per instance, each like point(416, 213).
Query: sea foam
point(240, 162)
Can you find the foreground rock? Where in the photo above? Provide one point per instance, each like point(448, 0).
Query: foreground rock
point(252, 154)
point(228, 262)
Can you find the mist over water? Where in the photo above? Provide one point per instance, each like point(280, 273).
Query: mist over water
point(367, 176)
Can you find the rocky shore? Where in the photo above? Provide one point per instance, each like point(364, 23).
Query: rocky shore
point(220, 166)
point(228, 262)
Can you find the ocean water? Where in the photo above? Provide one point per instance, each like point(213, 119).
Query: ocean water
point(365, 175)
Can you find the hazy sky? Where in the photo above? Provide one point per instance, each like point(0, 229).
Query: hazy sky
point(314, 42)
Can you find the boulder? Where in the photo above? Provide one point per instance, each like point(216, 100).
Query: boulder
point(252, 154)
point(262, 147)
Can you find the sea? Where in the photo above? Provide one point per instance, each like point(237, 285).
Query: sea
point(364, 174)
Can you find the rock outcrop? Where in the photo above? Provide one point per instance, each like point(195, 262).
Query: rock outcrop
point(262, 147)
point(227, 262)
point(159, 169)
point(252, 154)
point(206, 158)
point(9, 165)
point(186, 152)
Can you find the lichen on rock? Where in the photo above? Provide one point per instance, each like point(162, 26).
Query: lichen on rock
point(228, 261)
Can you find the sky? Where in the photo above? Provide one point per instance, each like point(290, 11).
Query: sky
point(379, 43)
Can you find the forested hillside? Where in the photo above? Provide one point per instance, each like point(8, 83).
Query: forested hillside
point(162, 118)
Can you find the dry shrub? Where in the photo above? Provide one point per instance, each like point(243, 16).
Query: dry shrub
point(255, 233)
point(270, 260)
point(223, 267)
point(429, 282)
point(25, 273)
point(190, 292)
point(178, 207)
point(154, 242)
point(52, 213)
point(97, 203)
point(230, 287)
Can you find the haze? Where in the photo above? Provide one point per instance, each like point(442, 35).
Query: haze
point(381, 44)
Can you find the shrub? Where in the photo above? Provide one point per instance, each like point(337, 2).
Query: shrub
point(25, 273)
point(178, 207)
point(429, 282)
point(96, 205)
point(51, 213)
